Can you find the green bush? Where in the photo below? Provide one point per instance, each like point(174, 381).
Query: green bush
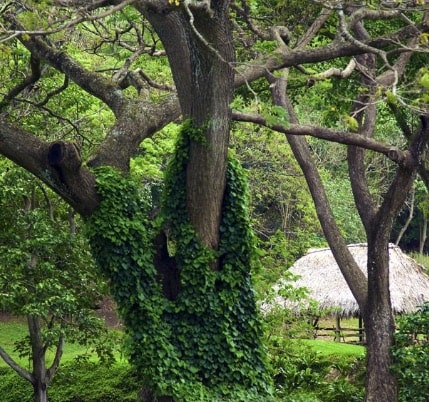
point(76, 382)
point(302, 374)
point(14, 388)
point(410, 353)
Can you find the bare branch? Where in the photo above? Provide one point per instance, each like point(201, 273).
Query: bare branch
point(338, 48)
point(342, 137)
point(95, 84)
point(366, 14)
point(56, 362)
point(15, 366)
point(314, 28)
point(84, 16)
point(363, 46)
point(29, 80)
point(337, 72)
point(54, 92)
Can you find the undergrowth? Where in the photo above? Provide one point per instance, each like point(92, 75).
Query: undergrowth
point(76, 382)
point(301, 376)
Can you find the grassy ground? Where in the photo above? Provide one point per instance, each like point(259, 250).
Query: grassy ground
point(329, 348)
point(13, 330)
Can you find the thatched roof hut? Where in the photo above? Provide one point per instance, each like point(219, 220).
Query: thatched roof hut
point(320, 274)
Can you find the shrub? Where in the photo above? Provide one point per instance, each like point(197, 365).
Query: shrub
point(76, 382)
point(410, 353)
point(14, 388)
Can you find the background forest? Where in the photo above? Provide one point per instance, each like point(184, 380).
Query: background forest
point(178, 157)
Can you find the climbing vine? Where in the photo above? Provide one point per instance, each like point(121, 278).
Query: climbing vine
point(204, 344)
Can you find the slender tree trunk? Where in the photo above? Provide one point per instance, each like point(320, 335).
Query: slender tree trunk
point(423, 234)
point(40, 384)
point(409, 219)
point(40, 392)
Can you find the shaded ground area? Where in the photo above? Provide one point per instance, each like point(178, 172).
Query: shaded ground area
point(106, 309)
point(5, 316)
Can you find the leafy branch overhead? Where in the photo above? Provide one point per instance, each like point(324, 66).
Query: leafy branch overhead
point(47, 46)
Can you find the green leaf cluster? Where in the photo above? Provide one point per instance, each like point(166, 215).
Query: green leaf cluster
point(205, 344)
point(45, 270)
point(410, 353)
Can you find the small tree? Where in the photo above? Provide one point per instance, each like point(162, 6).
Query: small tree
point(47, 276)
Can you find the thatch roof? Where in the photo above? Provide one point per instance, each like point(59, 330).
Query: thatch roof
point(320, 274)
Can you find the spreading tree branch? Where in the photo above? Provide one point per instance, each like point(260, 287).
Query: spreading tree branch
point(15, 366)
point(29, 80)
point(56, 362)
point(342, 137)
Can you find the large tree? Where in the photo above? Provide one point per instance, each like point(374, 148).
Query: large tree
point(376, 47)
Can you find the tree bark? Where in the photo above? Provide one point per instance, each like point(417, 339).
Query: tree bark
point(40, 383)
point(378, 316)
point(379, 327)
point(199, 45)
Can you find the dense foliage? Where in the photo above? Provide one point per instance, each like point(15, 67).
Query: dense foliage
point(46, 269)
point(411, 355)
point(210, 334)
point(77, 381)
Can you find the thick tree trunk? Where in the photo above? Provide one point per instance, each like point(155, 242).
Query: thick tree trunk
point(209, 105)
point(379, 325)
point(378, 315)
point(200, 50)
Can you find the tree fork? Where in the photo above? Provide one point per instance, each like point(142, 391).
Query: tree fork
point(75, 184)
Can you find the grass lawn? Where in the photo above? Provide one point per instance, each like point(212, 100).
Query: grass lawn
point(13, 330)
point(335, 348)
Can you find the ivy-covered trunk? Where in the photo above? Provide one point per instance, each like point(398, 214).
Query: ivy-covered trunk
point(205, 341)
point(183, 283)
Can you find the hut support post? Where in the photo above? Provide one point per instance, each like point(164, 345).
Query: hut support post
point(361, 331)
point(337, 328)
